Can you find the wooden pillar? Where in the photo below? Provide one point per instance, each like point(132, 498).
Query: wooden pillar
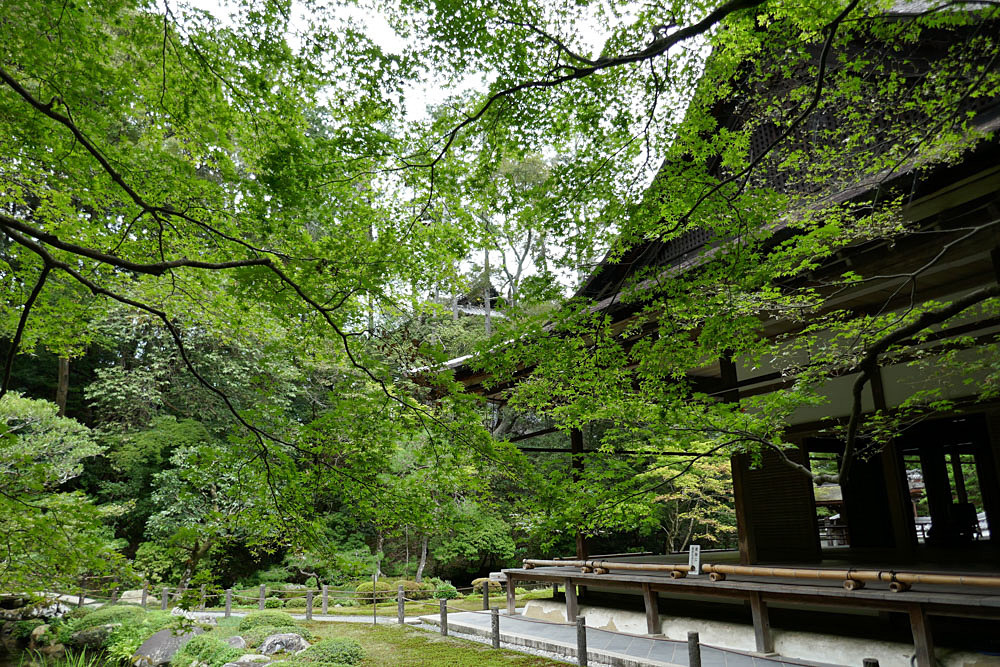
point(761, 624)
point(511, 601)
point(904, 531)
point(576, 467)
point(652, 604)
point(922, 640)
point(571, 605)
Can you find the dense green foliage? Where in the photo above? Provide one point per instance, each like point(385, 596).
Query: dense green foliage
point(339, 650)
point(207, 649)
point(237, 254)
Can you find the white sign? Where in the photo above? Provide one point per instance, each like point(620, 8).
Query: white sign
point(694, 559)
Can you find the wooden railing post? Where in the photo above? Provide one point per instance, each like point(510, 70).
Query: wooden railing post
point(81, 599)
point(495, 626)
point(165, 600)
point(229, 602)
point(326, 598)
point(309, 605)
point(581, 641)
point(203, 597)
point(694, 650)
point(400, 605)
point(511, 601)
point(263, 594)
point(114, 595)
point(443, 604)
point(145, 593)
point(486, 595)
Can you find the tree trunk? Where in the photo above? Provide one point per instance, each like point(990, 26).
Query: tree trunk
point(197, 553)
point(487, 292)
point(423, 559)
point(62, 386)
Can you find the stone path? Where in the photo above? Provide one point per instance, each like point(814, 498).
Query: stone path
point(603, 646)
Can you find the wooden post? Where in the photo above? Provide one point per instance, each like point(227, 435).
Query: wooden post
point(486, 595)
point(443, 604)
point(263, 594)
point(80, 600)
point(571, 605)
point(652, 604)
point(923, 642)
point(229, 602)
point(309, 605)
point(326, 599)
point(165, 601)
point(694, 650)
point(761, 624)
point(374, 600)
point(555, 590)
point(511, 601)
point(203, 597)
point(581, 641)
point(114, 595)
point(495, 626)
point(400, 605)
point(145, 593)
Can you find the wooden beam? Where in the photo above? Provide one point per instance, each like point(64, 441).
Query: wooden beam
point(922, 640)
point(652, 604)
point(761, 624)
point(572, 608)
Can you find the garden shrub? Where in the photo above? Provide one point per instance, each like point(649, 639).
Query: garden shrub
point(477, 585)
point(337, 649)
point(122, 644)
point(384, 591)
point(108, 614)
point(273, 603)
point(23, 629)
point(207, 649)
point(412, 590)
point(254, 637)
point(278, 619)
point(445, 591)
point(77, 612)
point(300, 602)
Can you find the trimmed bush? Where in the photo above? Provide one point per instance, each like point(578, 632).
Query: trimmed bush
point(255, 636)
point(273, 603)
point(300, 603)
point(109, 614)
point(385, 591)
point(337, 649)
point(77, 612)
point(445, 591)
point(412, 590)
point(278, 619)
point(206, 649)
point(477, 585)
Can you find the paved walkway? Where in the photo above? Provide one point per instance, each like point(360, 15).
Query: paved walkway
point(605, 646)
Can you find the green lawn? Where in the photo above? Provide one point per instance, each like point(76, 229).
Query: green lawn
point(387, 645)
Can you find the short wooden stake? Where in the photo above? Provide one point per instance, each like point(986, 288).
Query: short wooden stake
point(443, 604)
point(80, 600)
point(145, 593)
point(326, 598)
point(486, 595)
point(263, 593)
point(309, 605)
point(495, 626)
point(229, 602)
point(400, 605)
point(165, 600)
point(114, 595)
point(581, 641)
point(694, 650)
point(202, 597)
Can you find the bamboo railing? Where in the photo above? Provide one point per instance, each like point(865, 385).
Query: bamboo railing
point(853, 579)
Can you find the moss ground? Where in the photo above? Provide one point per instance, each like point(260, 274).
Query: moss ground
point(395, 645)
